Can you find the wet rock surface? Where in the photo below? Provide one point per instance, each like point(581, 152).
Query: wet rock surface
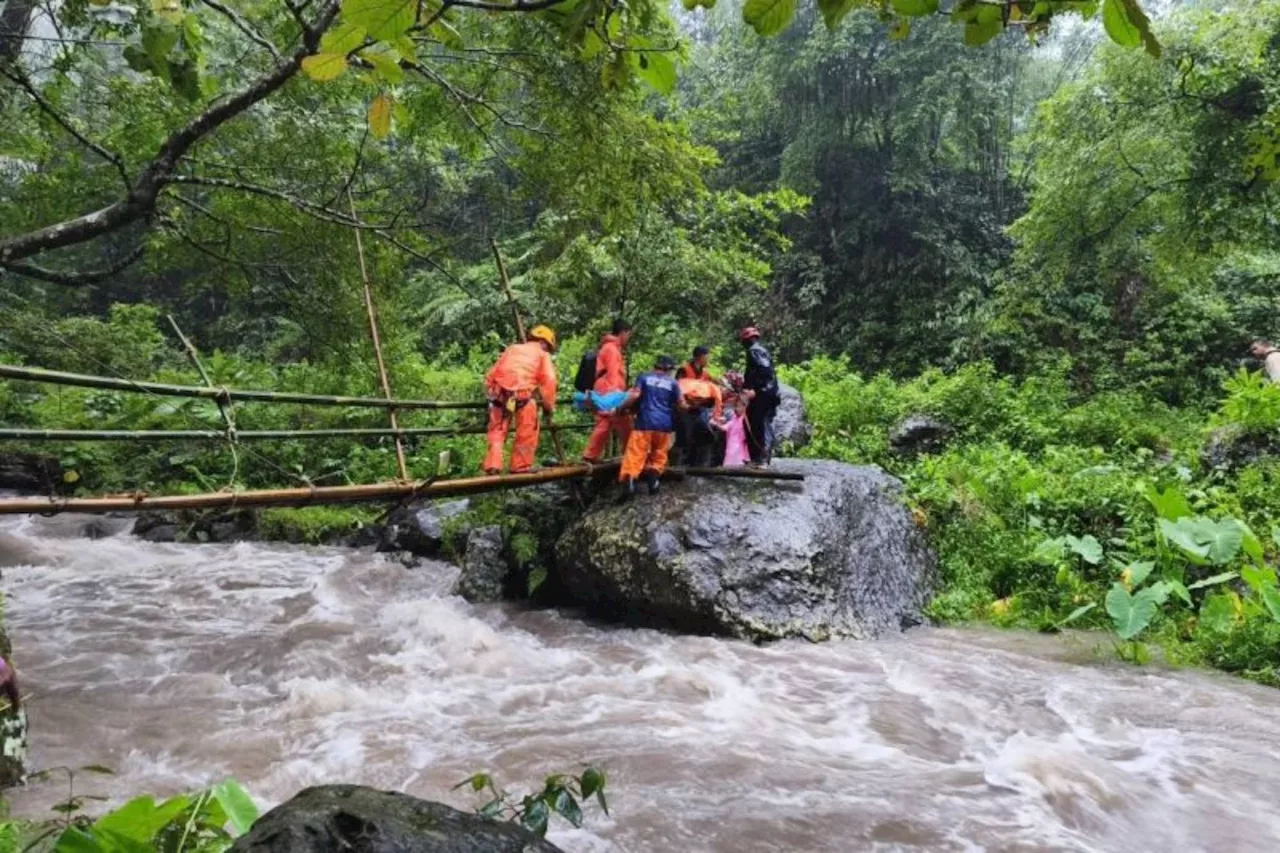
point(484, 566)
point(422, 528)
point(790, 425)
point(919, 434)
point(30, 473)
point(836, 555)
point(337, 818)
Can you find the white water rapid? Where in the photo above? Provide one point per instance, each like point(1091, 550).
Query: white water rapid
point(179, 665)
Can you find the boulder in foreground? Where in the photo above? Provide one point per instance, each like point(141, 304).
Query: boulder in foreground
point(354, 819)
point(837, 555)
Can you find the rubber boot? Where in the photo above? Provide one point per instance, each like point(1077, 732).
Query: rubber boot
point(654, 482)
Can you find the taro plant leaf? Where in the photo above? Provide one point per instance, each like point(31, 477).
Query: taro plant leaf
point(1049, 551)
point(1250, 543)
point(1130, 613)
point(1179, 589)
point(76, 840)
point(1257, 579)
point(1182, 534)
point(1170, 503)
point(1224, 539)
point(1214, 581)
point(1271, 598)
point(1218, 612)
point(1087, 547)
point(1136, 573)
point(1157, 592)
point(140, 819)
point(239, 806)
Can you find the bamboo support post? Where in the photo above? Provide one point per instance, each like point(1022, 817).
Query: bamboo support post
point(506, 288)
point(347, 494)
point(401, 466)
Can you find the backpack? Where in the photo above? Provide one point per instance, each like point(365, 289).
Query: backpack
point(586, 378)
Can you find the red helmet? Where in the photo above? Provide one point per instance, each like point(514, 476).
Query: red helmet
point(748, 334)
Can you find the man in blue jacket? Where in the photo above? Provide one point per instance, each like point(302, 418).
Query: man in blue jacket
point(760, 379)
point(656, 397)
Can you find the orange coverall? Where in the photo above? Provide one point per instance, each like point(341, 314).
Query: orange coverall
point(611, 375)
point(520, 371)
point(699, 392)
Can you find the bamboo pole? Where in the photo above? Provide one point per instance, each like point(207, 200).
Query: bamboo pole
point(401, 466)
point(506, 288)
point(195, 359)
point(84, 380)
point(7, 434)
point(347, 494)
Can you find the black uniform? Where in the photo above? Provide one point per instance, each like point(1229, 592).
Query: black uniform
point(760, 378)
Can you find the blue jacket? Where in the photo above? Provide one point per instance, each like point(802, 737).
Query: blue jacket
point(656, 408)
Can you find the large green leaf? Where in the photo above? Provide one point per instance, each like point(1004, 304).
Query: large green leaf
point(1182, 533)
point(915, 8)
point(1049, 551)
point(1136, 573)
point(381, 19)
point(1137, 17)
point(833, 11)
point(1218, 612)
point(239, 806)
point(141, 818)
point(1271, 598)
point(1115, 18)
point(1130, 613)
point(324, 66)
point(769, 17)
point(978, 33)
point(342, 39)
point(657, 70)
point(1088, 547)
point(1170, 503)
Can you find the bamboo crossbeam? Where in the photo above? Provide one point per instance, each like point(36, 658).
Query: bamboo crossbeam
point(7, 434)
point(233, 395)
point(349, 494)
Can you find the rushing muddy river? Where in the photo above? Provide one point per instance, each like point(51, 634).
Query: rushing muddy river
point(285, 667)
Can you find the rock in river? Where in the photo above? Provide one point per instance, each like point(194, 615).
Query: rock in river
point(836, 555)
point(335, 818)
point(791, 427)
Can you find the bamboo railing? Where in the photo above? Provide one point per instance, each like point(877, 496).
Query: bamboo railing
point(7, 434)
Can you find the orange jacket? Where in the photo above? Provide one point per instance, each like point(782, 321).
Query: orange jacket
point(689, 370)
point(611, 366)
point(522, 369)
point(699, 392)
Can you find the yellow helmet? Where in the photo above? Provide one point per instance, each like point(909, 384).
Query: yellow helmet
point(545, 334)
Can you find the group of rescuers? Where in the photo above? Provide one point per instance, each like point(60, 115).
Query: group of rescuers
point(686, 403)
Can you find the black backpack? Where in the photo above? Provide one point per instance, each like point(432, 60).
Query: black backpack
point(586, 378)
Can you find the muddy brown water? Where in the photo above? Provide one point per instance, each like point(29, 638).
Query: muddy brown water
point(285, 667)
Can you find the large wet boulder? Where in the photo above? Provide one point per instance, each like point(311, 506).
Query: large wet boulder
point(791, 429)
point(354, 819)
point(423, 527)
point(484, 566)
point(836, 555)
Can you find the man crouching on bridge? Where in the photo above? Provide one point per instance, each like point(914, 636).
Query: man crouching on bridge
point(510, 384)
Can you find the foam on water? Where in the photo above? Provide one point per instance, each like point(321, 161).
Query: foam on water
point(285, 667)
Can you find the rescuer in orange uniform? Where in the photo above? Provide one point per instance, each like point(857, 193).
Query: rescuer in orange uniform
point(696, 367)
point(696, 426)
point(521, 371)
point(611, 375)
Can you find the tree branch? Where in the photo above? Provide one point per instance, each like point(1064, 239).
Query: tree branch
point(16, 76)
point(245, 27)
point(141, 200)
point(75, 279)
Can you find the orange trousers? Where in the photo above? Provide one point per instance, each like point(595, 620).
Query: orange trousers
point(598, 443)
point(646, 451)
point(526, 444)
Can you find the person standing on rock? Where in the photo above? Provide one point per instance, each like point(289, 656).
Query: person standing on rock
point(656, 398)
point(522, 371)
point(611, 376)
point(696, 426)
point(1269, 356)
point(759, 378)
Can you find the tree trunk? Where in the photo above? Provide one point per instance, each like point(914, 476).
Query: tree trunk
point(14, 20)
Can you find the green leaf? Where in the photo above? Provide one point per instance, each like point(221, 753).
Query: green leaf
point(567, 807)
point(1250, 544)
point(324, 66)
point(537, 578)
point(1170, 503)
point(1180, 590)
point(1182, 534)
point(1257, 578)
point(386, 64)
point(75, 840)
point(915, 8)
point(1131, 614)
point(1116, 21)
point(592, 781)
point(769, 17)
point(1224, 538)
point(342, 39)
point(535, 816)
point(977, 33)
point(140, 818)
point(1136, 573)
point(1137, 17)
point(1076, 614)
point(448, 35)
point(1213, 581)
point(1157, 592)
point(1218, 612)
point(158, 40)
point(239, 806)
point(1271, 598)
point(658, 71)
point(383, 20)
point(1049, 551)
point(168, 10)
point(1087, 547)
point(833, 11)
